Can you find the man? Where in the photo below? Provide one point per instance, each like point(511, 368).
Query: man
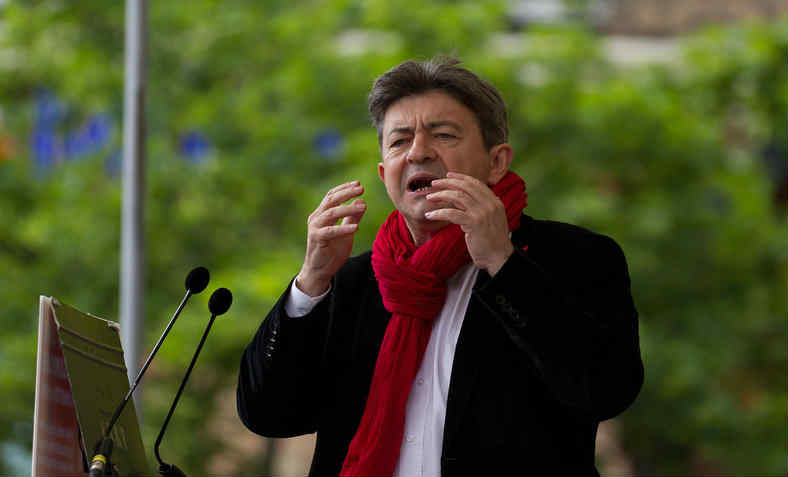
point(472, 339)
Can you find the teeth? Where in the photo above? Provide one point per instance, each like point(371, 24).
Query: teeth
point(420, 185)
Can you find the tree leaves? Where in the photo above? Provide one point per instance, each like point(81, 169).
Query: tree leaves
point(665, 159)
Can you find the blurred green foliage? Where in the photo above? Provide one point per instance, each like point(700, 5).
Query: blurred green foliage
point(667, 159)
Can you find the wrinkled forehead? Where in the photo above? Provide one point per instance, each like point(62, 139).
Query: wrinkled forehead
point(431, 108)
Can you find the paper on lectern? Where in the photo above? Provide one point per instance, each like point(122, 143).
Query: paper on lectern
point(81, 378)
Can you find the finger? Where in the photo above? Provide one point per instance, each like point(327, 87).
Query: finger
point(330, 216)
point(465, 178)
point(325, 234)
point(356, 218)
point(458, 198)
point(343, 186)
point(339, 195)
point(343, 192)
point(471, 185)
point(448, 215)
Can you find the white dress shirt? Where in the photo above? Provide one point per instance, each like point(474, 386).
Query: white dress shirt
point(422, 441)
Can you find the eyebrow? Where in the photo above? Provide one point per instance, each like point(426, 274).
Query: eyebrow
point(430, 125)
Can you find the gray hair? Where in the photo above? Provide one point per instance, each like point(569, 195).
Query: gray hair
point(442, 74)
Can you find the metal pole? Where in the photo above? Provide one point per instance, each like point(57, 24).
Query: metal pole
point(133, 232)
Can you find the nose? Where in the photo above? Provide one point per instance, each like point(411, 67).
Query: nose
point(420, 149)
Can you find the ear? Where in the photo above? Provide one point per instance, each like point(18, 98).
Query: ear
point(381, 172)
point(500, 160)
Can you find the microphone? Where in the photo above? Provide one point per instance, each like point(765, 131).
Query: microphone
point(196, 281)
point(220, 301)
point(218, 304)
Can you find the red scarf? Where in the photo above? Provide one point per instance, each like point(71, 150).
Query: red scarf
point(412, 282)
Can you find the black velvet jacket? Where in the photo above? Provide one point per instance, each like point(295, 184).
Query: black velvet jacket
point(548, 348)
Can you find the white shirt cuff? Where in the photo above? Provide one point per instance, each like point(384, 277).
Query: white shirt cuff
point(299, 303)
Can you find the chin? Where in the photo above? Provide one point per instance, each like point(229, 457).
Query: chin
point(427, 224)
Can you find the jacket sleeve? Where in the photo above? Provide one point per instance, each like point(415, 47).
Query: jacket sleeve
point(577, 326)
point(278, 378)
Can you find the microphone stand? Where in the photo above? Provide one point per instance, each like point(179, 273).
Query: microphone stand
point(171, 470)
point(219, 303)
point(101, 465)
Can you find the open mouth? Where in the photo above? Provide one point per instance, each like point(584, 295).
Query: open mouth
point(421, 183)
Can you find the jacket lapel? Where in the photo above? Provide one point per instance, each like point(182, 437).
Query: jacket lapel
point(469, 349)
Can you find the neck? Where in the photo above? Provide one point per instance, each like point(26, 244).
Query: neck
point(422, 233)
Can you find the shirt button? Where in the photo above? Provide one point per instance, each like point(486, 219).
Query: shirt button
point(420, 381)
point(410, 438)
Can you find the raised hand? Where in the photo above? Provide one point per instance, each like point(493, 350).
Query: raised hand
point(328, 243)
point(481, 215)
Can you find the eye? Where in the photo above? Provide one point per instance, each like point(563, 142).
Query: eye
point(397, 142)
point(445, 136)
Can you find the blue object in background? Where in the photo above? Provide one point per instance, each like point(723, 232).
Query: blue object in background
point(194, 146)
point(49, 110)
point(328, 143)
point(74, 146)
point(89, 139)
point(98, 131)
point(43, 141)
point(49, 148)
point(43, 145)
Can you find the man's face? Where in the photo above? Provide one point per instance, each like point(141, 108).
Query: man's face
point(423, 138)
